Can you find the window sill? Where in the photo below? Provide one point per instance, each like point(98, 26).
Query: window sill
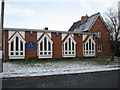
point(88, 55)
point(16, 57)
point(45, 56)
point(99, 51)
point(68, 55)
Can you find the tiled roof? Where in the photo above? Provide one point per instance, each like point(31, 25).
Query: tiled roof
point(81, 26)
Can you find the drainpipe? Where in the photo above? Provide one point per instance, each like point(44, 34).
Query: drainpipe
point(119, 13)
point(1, 38)
point(1, 35)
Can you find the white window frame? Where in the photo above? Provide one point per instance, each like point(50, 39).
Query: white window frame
point(14, 56)
point(47, 55)
point(98, 34)
point(89, 53)
point(99, 48)
point(73, 52)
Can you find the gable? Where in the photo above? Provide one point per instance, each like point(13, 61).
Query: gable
point(15, 35)
point(99, 25)
point(88, 38)
point(43, 36)
point(67, 37)
point(10, 33)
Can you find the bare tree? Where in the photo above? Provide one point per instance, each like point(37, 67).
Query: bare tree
point(113, 24)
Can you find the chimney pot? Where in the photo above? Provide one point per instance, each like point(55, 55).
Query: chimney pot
point(46, 28)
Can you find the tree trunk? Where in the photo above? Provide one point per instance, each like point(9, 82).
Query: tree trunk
point(114, 51)
point(113, 56)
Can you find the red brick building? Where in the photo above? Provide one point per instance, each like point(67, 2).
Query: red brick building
point(88, 37)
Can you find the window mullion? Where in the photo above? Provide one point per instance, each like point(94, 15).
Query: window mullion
point(47, 45)
point(51, 48)
point(85, 48)
point(94, 47)
point(74, 49)
point(14, 46)
point(39, 48)
point(68, 46)
point(43, 46)
point(62, 49)
point(71, 46)
point(19, 48)
point(88, 47)
point(23, 48)
point(10, 49)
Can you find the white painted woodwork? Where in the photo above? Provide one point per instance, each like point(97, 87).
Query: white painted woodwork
point(84, 36)
point(14, 55)
point(10, 33)
point(66, 52)
point(89, 47)
point(39, 34)
point(41, 54)
point(63, 36)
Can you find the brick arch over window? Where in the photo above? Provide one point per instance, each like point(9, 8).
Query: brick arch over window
point(16, 46)
point(45, 47)
point(69, 47)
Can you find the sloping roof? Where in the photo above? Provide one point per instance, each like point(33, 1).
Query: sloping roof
point(81, 26)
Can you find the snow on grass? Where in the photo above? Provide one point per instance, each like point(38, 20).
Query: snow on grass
point(53, 68)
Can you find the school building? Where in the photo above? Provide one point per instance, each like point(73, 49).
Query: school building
point(88, 37)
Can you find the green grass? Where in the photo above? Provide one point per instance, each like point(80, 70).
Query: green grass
point(103, 60)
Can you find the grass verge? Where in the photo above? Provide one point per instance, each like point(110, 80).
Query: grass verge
point(100, 60)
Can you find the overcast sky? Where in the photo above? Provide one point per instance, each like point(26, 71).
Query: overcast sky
point(54, 14)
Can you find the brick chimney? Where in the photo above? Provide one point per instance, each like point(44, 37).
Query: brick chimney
point(83, 18)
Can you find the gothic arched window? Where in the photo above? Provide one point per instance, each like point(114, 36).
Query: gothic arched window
point(45, 47)
point(69, 47)
point(16, 47)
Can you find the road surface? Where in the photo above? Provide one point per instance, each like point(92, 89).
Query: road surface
point(88, 80)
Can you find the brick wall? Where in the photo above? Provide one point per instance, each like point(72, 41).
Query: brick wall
point(57, 45)
point(79, 46)
point(104, 39)
point(5, 46)
point(57, 42)
point(31, 37)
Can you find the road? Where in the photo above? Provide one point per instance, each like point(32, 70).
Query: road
point(87, 80)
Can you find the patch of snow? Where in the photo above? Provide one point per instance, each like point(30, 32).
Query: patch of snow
point(53, 68)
